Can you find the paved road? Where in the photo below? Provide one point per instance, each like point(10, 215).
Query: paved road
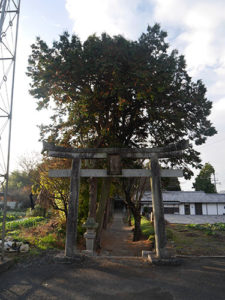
point(114, 278)
point(190, 219)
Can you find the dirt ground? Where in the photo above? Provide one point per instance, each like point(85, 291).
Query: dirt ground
point(117, 240)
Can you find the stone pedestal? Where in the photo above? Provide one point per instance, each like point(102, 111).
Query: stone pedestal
point(89, 235)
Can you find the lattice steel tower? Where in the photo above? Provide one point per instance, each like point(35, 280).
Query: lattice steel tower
point(9, 17)
point(9, 21)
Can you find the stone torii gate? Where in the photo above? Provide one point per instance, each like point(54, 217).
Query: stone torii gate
point(114, 156)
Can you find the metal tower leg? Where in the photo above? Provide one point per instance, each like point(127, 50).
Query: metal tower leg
point(9, 23)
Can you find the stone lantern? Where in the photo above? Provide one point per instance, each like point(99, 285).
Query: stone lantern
point(89, 235)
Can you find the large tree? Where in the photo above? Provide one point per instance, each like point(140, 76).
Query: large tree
point(110, 91)
point(203, 181)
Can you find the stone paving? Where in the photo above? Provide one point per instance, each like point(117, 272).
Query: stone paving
point(193, 219)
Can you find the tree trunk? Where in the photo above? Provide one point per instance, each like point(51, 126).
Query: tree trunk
point(105, 191)
point(137, 216)
point(137, 227)
point(92, 197)
point(129, 216)
point(106, 218)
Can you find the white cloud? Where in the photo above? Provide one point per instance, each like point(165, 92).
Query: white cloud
point(218, 113)
point(199, 23)
point(114, 17)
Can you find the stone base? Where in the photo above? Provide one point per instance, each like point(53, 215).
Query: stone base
point(89, 252)
point(169, 261)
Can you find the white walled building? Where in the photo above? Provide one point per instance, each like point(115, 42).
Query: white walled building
point(189, 203)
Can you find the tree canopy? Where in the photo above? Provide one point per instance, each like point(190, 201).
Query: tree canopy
point(203, 180)
point(110, 91)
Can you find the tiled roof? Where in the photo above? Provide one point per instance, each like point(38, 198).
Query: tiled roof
point(188, 197)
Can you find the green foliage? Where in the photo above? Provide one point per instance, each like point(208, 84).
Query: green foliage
point(147, 227)
point(170, 184)
point(209, 229)
point(109, 91)
point(26, 223)
point(11, 216)
point(52, 192)
point(151, 238)
point(19, 180)
point(8, 218)
point(203, 180)
point(49, 241)
point(83, 201)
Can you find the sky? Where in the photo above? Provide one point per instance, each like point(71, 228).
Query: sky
point(195, 27)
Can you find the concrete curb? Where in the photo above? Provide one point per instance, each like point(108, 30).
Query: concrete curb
point(200, 256)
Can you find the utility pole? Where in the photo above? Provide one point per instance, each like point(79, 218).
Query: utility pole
point(9, 23)
point(215, 181)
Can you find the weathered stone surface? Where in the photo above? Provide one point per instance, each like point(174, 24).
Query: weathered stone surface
point(159, 222)
point(170, 261)
point(125, 173)
point(182, 145)
point(127, 154)
point(114, 164)
point(71, 228)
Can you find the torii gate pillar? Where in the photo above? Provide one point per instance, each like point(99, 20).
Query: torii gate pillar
point(158, 211)
point(72, 218)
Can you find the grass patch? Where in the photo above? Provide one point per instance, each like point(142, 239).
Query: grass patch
point(147, 227)
point(195, 239)
point(49, 241)
point(192, 239)
point(47, 234)
point(209, 229)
